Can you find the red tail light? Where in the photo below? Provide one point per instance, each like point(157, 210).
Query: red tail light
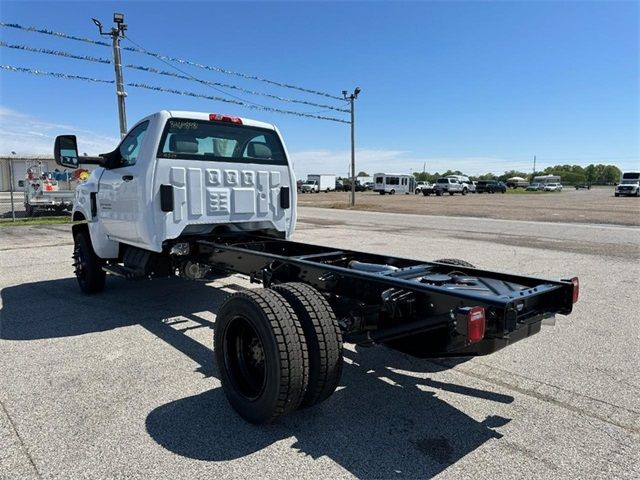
point(475, 324)
point(576, 289)
point(216, 117)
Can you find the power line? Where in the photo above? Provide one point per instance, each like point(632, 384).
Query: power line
point(55, 34)
point(58, 53)
point(65, 76)
point(186, 75)
point(170, 59)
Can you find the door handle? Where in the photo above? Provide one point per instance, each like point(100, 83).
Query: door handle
point(127, 178)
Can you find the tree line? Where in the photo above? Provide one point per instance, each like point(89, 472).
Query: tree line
point(570, 174)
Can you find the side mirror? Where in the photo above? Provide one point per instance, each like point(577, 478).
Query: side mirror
point(65, 151)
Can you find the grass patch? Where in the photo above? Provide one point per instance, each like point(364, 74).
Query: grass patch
point(8, 222)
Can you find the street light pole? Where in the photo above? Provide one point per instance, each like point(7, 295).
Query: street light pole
point(352, 99)
point(116, 34)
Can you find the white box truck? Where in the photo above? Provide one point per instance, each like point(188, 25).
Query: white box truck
point(319, 183)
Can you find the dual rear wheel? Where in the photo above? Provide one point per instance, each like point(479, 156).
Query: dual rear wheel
point(277, 350)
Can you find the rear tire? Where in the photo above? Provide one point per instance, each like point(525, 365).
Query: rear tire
point(464, 191)
point(456, 262)
point(88, 266)
point(323, 337)
point(392, 192)
point(262, 355)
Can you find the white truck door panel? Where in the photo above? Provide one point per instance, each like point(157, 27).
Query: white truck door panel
point(118, 203)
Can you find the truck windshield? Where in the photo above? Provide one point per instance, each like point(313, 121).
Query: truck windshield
point(215, 141)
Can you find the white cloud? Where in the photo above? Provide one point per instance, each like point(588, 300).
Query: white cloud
point(29, 135)
point(396, 161)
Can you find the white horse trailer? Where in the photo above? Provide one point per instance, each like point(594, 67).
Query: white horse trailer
point(393, 183)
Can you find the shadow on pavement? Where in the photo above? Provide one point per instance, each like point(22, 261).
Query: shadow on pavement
point(385, 420)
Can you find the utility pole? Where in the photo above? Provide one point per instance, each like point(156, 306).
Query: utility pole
point(116, 34)
point(534, 167)
point(351, 99)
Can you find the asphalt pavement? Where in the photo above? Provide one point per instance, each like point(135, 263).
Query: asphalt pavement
point(124, 384)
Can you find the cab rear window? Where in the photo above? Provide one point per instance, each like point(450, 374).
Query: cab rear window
point(220, 141)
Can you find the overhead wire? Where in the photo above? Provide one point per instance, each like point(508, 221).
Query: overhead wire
point(66, 76)
point(185, 76)
point(171, 59)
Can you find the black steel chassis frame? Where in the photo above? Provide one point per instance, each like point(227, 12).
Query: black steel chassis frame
point(394, 306)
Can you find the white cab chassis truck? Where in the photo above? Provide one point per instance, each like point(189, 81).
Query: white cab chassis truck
point(200, 195)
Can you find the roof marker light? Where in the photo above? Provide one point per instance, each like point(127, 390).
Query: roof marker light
point(216, 117)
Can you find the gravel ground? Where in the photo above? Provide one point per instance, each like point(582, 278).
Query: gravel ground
point(597, 205)
point(124, 385)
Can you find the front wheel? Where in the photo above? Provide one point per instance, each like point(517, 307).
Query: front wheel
point(262, 355)
point(464, 191)
point(88, 266)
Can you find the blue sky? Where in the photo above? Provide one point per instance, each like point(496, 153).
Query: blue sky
point(474, 86)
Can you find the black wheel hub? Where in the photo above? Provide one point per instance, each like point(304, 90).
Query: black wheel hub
point(244, 358)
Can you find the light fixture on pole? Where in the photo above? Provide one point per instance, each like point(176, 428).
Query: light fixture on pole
point(116, 34)
point(352, 99)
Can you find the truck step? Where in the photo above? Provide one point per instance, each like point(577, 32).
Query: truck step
point(124, 272)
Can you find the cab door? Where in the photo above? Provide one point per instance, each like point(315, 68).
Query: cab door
point(119, 192)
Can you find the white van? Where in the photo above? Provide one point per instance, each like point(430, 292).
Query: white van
point(393, 183)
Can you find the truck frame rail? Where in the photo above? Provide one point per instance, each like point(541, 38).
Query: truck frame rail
point(422, 308)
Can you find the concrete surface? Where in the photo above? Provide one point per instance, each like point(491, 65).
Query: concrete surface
point(124, 385)
point(597, 205)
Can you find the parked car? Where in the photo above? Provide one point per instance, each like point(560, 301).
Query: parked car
point(310, 186)
point(428, 189)
point(369, 185)
point(534, 187)
point(339, 186)
point(420, 186)
point(450, 185)
point(464, 180)
point(347, 186)
point(553, 187)
point(583, 185)
point(490, 186)
point(516, 182)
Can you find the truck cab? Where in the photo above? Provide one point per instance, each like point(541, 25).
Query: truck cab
point(629, 185)
point(180, 173)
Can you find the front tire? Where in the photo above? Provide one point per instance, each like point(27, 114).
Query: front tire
point(464, 191)
point(88, 266)
point(262, 355)
point(323, 336)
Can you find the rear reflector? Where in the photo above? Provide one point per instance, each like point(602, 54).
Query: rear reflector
point(216, 117)
point(475, 324)
point(576, 289)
